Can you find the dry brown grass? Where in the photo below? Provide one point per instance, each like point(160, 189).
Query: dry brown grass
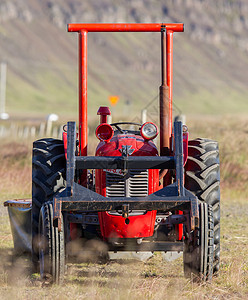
point(15, 169)
point(155, 279)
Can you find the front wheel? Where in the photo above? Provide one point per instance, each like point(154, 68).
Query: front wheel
point(48, 179)
point(202, 178)
point(199, 247)
point(51, 246)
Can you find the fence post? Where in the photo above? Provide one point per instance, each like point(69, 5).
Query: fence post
point(32, 131)
point(42, 130)
point(143, 116)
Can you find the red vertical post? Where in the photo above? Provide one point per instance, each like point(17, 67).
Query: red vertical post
point(83, 124)
point(169, 72)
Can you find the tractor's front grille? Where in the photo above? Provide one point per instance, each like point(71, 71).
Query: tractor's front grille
point(115, 185)
point(138, 183)
point(133, 184)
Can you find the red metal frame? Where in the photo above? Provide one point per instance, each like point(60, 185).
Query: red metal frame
point(83, 126)
point(83, 29)
point(126, 27)
point(169, 72)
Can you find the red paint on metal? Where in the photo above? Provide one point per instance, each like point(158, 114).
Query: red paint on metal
point(113, 147)
point(83, 127)
point(104, 132)
point(179, 227)
point(103, 111)
point(64, 136)
point(100, 182)
point(169, 73)
point(153, 180)
point(115, 226)
point(126, 27)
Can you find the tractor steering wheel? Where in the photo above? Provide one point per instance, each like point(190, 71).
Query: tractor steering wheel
point(116, 125)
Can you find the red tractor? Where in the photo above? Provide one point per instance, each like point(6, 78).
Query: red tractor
point(130, 195)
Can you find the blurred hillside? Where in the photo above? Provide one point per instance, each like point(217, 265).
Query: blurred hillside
point(210, 58)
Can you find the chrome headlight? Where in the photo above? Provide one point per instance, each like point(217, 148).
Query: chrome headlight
point(149, 131)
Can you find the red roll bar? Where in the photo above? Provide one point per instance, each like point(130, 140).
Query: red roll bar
point(124, 27)
point(165, 88)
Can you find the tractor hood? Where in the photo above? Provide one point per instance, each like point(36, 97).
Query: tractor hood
point(131, 143)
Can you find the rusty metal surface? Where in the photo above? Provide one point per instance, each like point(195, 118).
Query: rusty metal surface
point(165, 127)
point(24, 203)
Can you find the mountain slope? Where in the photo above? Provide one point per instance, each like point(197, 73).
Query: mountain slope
point(210, 58)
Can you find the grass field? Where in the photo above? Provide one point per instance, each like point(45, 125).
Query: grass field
point(155, 279)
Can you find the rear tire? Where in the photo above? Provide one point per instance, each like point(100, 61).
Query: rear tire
point(52, 246)
point(202, 178)
point(48, 178)
point(199, 247)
